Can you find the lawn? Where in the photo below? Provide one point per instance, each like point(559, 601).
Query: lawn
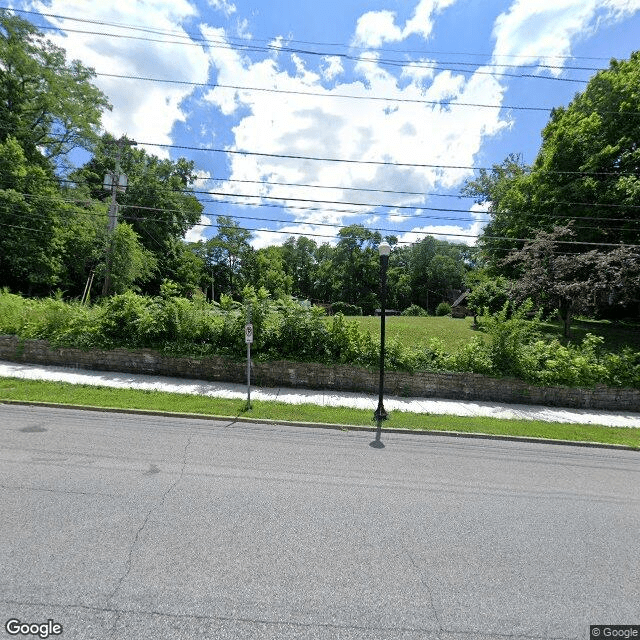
point(13, 389)
point(415, 330)
point(456, 331)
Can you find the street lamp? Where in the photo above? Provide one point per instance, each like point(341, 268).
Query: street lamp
point(380, 414)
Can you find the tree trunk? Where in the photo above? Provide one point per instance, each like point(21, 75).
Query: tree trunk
point(564, 311)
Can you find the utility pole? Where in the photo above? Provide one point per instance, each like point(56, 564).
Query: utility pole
point(115, 181)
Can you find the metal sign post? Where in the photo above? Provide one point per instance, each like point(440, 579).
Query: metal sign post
point(248, 338)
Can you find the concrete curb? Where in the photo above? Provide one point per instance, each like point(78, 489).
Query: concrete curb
point(334, 427)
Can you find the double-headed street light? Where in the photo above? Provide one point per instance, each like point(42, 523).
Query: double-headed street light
point(384, 250)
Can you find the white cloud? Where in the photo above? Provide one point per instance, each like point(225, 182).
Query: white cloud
point(242, 29)
point(374, 28)
point(543, 31)
point(333, 67)
point(222, 5)
point(462, 234)
point(195, 234)
point(144, 111)
point(360, 130)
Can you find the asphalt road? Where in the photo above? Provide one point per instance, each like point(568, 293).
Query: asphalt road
point(121, 526)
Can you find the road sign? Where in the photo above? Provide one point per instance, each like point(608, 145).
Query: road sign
point(248, 334)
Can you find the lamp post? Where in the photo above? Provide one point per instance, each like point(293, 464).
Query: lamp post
point(384, 250)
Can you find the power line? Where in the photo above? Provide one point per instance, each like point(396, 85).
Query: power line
point(271, 48)
point(219, 85)
point(184, 34)
point(326, 94)
point(369, 162)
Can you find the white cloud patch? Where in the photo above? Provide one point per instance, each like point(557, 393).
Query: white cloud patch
point(225, 7)
point(374, 28)
point(542, 32)
point(462, 234)
point(333, 67)
point(144, 111)
point(197, 233)
point(392, 138)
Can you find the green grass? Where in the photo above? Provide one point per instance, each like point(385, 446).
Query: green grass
point(456, 331)
point(411, 330)
point(104, 397)
point(616, 335)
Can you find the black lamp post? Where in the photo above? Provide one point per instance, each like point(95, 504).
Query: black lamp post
point(384, 249)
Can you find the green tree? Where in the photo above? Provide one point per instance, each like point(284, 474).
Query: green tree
point(29, 219)
point(131, 263)
point(587, 171)
point(228, 256)
point(158, 203)
point(357, 262)
point(46, 103)
point(268, 272)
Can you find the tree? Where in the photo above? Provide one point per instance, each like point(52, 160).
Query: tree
point(46, 103)
point(574, 283)
point(158, 203)
point(131, 263)
point(29, 221)
point(357, 262)
point(227, 255)
point(587, 170)
point(267, 272)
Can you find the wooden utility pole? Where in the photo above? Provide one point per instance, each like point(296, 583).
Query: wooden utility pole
point(115, 181)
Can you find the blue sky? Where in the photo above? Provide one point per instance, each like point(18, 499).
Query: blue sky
point(412, 68)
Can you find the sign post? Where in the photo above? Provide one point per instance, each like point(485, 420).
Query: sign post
point(248, 337)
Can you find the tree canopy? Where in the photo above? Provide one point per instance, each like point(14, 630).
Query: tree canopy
point(45, 102)
point(587, 170)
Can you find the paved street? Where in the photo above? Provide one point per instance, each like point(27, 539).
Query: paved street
point(121, 526)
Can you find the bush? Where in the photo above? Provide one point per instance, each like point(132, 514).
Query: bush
point(443, 309)
point(415, 311)
point(346, 309)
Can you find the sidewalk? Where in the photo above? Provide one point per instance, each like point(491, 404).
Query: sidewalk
point(322, 398)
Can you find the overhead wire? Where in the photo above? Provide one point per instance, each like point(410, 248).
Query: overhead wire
point(278, 48)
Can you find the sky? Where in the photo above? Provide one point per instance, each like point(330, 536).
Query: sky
point(304, 117)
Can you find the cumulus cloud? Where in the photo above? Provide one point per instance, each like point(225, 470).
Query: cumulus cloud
point(543, 31)
point(222, 5)
point(374, 28)
point(142, 110)
point(462, 234)
point(391, 144)
point(197, 233)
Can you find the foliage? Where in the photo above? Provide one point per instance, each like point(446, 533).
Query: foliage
point(443, 309)
point(512, 344)
point(46, 103)
point(488, 294)
point(415, 310)
point(586, 171)
point(346, 309)
point(574, 283)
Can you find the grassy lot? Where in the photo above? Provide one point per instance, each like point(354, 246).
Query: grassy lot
point(414, 330)
point(456, 331)
point(616, 334)
point(104, 397)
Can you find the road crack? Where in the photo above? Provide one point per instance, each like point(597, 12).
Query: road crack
point(135, 544)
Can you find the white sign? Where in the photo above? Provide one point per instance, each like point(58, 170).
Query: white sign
point(248, 334)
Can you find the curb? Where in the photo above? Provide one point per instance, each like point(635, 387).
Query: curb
point(329, 426)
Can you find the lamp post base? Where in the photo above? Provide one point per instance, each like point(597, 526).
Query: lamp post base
point(380, 414)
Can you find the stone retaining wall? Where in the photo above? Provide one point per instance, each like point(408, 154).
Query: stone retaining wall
point(457, 386)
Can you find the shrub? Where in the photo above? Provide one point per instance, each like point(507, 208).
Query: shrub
point(443, 309)
point(415, 310)
point(346, 309)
